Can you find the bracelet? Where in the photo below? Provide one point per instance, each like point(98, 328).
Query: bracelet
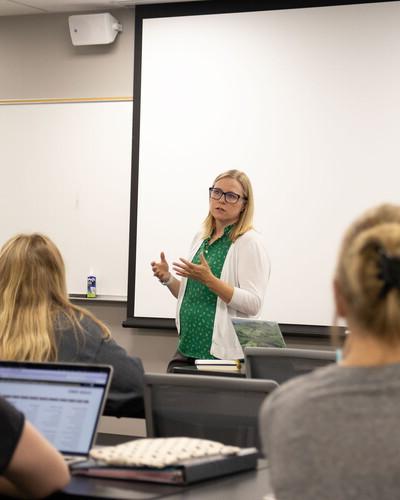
point(169, 280)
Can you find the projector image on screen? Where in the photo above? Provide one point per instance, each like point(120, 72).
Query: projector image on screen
point(93, 29)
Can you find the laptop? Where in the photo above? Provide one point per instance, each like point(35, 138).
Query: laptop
point(258, 333)
point(64, 401)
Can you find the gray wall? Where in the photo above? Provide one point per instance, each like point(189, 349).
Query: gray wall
point(38, 61)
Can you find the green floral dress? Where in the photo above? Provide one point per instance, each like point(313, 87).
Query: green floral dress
point(199, 304)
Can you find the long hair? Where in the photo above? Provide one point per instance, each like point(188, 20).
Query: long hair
point(375, 235)
point(245, 221)
point(34, 299)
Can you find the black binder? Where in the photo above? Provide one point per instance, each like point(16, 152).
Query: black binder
point(189, 471)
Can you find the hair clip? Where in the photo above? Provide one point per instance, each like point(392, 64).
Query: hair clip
point(389, 272)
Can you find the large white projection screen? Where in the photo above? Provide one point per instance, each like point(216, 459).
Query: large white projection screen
point(305, 101)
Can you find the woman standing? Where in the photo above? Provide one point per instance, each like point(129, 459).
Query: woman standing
point(226, 274)
point(333, 434)
point(39, 323)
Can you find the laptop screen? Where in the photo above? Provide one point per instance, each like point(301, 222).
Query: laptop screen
point(258, 333)
point(63, 401)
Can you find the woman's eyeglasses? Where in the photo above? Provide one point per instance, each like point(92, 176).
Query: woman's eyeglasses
point(230, 197)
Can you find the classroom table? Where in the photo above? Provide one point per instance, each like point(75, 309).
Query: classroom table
point(243, 485)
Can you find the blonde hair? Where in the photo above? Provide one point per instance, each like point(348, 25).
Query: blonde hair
point(375, 235)
point(34, 299)
point(245, 222)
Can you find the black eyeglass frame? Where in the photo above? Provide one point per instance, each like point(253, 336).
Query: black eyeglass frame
point(224, 193)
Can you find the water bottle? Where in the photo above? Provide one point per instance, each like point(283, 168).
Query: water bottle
point(91, 286)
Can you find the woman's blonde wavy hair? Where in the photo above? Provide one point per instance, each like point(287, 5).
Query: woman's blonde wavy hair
point(34, 299)
point(245, 222)
point(357, 274)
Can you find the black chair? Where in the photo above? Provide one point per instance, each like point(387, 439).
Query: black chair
point(217, 408)
point(282, 364)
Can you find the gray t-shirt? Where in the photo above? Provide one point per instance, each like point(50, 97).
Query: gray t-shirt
point(334, 434)
point(125, 398)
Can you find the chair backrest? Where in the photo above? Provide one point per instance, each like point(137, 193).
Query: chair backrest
point(222, 409)
point(283, 364)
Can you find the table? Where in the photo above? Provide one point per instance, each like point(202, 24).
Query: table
point(244, 485)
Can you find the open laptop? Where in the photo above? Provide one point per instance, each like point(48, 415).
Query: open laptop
point(64, 401)
point(258, 333)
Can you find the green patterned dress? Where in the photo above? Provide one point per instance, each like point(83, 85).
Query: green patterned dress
point(199, 304)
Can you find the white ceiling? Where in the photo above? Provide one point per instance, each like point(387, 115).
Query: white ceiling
point(23, 7)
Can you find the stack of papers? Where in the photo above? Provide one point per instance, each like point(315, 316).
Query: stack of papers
point(218, 364)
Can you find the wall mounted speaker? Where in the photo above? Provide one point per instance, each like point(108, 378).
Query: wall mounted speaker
point(93, 29)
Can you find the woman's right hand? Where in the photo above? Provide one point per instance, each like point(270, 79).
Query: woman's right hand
point(161, 269)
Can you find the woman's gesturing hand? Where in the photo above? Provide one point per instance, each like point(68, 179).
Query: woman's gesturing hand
point(199, 272)
point(161, 269)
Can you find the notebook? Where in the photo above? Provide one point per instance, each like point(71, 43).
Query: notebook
point(258, 333)
point(64, 401)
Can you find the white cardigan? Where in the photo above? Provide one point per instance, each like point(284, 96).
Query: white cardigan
point(247, 269)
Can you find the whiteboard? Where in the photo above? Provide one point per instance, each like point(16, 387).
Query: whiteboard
point(65, 172)
point(305, 101)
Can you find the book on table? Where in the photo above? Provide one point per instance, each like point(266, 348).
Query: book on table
point(218, 364)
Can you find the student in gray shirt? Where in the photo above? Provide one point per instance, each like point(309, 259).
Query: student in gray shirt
point(334, 434)
point(39, 323)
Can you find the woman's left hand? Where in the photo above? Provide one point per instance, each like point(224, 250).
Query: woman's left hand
point(202, 273)
point(199, 272)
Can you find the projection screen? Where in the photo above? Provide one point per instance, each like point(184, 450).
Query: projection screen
point(304, 100)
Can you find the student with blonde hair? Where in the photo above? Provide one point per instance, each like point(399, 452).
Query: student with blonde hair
point(225, 275)
point(333, 434)
point(30, 467)
point(39, 323)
